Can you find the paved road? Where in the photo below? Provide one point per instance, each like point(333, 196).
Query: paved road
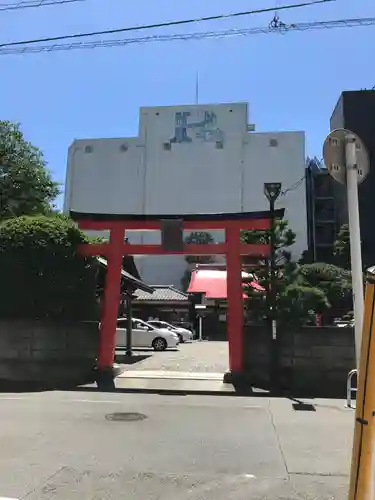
point(209, 357)
point(61, 446)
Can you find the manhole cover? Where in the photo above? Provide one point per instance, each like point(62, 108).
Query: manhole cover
point(125, 417)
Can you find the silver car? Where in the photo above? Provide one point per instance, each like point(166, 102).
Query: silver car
point(184, 334)
point(145, 335)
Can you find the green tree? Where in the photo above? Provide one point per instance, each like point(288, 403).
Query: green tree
point(334, 281)
point(342, 247)
point(295, 299)
point(26, 186)
point(42, 275)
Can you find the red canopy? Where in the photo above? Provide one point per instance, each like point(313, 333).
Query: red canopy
point(213, 283)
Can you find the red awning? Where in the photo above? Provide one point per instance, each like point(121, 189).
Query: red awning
point(213, 283)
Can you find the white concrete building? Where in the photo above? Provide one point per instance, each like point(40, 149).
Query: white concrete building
point(188, 159)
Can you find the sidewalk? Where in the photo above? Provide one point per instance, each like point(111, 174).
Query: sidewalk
point(175, 375)
point(173, 381)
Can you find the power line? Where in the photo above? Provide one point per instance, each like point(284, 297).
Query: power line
point(281, 29)
point(167, 24)
point(33, 4)
point(294, 186)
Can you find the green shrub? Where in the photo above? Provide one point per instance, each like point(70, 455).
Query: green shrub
point(41, 273)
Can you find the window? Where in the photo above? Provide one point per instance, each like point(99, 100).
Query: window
point(273, 143)
point(140, 325)
point(88, 149)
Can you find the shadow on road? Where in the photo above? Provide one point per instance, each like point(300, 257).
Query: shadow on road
point(124, 359)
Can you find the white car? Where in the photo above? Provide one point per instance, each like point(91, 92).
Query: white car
point(145, 335)
point(183, 334)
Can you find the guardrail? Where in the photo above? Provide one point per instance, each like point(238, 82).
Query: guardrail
point(350, 389)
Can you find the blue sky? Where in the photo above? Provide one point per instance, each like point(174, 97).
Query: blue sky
point(291, 82)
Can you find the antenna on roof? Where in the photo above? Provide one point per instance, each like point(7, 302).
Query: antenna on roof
point(197, 88)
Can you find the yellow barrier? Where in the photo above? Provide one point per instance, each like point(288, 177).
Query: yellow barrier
point(361, 475)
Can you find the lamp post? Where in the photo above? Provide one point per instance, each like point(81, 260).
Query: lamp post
point(201, 309)
point(129, 326)
point(272, 191)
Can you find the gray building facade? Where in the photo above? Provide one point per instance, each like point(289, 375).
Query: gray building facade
point(321, 213)
point(355, 110)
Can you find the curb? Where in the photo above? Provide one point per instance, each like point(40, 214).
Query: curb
point(182, 392)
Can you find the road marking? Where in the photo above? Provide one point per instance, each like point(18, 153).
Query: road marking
point(248, 476)
point(7, 498)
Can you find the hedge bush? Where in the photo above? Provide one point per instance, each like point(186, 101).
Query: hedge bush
point(41, 273)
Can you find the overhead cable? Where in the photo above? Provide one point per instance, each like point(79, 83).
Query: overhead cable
point(166, 24)
point(33, 4)
point(284, 29)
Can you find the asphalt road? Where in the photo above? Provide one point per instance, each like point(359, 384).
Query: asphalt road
point(64, 446)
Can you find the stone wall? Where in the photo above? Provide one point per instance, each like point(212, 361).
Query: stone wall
point(47, 353)
point(311, 360)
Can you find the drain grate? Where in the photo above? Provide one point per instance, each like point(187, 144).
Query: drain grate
point(303, 407)
point(125, 417)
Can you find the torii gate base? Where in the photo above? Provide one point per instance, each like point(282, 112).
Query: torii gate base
point(114, 250)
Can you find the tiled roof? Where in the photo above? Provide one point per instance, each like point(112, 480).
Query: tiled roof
point(167, 293)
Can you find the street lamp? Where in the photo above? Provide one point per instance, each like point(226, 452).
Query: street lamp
point(272, 191)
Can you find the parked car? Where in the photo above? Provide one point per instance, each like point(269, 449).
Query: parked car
point(183, 333)
point(145, 335)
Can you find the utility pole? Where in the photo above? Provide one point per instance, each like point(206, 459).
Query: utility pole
point(362, 467)
point(355, 236)
point(347, 160)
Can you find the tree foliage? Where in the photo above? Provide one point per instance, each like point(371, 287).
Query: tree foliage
point(26, 186)
point(42, 275)
point(342, 247)
point(285, 237)
point(334, 281)
point(295, 298)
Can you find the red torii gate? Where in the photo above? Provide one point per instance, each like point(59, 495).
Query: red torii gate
point(114, 250)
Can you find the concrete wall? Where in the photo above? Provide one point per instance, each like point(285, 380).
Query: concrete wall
point(313, 361)
point(187, 159)
point(47, 353)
